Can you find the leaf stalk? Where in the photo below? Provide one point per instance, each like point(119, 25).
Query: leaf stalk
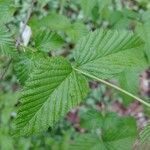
point(113, 86)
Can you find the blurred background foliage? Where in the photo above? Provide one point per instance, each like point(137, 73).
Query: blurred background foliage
point(107, 120)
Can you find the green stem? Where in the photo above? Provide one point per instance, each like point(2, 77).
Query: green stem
point(113, 86)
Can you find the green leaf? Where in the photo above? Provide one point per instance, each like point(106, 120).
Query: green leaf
point(7, 45)
point(52, 90)
point(24, 65)
point(57, 22)
point(93, 142)
point(77, 31)
point(52, 21)
point(124, 19)
point(107, 53)
point(7, 102)
point(145, 134)
point(113, 132)
point(94, 9)
point(129, 80)
point(145, 138)
point(47, 41)
point(146, 16)
point(7, 9)
point(94, 119)
point(87, 6)
point(144, 32)
point(42, 3)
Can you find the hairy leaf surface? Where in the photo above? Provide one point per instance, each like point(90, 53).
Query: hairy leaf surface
point(106, 53)
point(52, 90)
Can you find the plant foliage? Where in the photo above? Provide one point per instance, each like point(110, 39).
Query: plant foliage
point(55, 86)
point(52, 52)
point(53, 89)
